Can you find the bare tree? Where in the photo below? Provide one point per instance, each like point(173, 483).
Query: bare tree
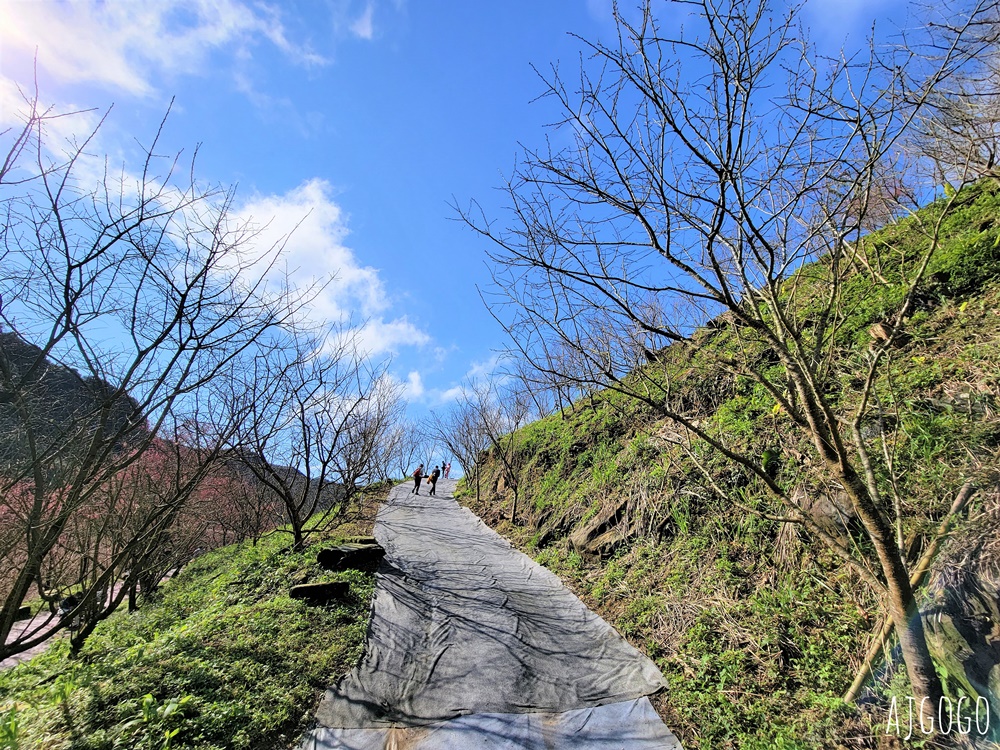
point(460, 431)
point(501, 411)
point(959, 130)
point(405, 445)
point(485, 417)
point(133, 531)
point(315, 418)
point(391, 432)
point(243, 508)
point(545, 392)
point(695, 174)
point(123, 297)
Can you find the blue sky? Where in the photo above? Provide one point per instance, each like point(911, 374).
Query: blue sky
point(369, 116)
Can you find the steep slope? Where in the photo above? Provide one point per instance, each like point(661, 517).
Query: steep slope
point(57, 405)
point(758, 628)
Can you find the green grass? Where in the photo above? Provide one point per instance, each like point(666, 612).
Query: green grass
point(758, 630)
point(223, 659)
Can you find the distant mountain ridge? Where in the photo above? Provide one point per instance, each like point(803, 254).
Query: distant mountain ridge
point(53, 405)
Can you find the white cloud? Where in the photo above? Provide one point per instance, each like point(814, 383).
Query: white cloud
point(362, 26)
point(411, 389)
point(313, 229)
point(378, 336)
point(12, 105)
point(65, 128)
point(414, 387)
point(452, 394)
point(121, 45)
point(477, 373)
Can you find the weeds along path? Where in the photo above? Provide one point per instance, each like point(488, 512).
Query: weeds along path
point(473, 644)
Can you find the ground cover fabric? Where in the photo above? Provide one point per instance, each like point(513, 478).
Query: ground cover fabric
point(473, 644)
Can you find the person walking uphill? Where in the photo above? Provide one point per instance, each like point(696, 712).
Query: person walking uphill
point(417, 476)
point(434, 480)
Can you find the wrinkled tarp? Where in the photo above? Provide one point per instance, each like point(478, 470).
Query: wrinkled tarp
point(632, 725)
point(462, 625)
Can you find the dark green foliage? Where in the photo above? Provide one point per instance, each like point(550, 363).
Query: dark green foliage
point(61, 410)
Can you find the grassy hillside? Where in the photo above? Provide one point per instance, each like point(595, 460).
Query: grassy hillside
point(757, 627)
point(224, 659)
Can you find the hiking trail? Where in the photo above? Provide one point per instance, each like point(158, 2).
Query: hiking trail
point(474, 645)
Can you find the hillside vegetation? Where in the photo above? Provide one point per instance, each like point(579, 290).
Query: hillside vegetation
point(224, 658)
point(757, 626)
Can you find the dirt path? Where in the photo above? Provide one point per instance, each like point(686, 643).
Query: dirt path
point(20, 629)
point(41, 620)
point(474, 645)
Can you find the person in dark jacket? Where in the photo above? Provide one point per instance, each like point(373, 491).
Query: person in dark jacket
point(417, 476)
point(434, 479)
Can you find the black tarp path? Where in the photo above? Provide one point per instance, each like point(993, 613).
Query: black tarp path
point(474, 645)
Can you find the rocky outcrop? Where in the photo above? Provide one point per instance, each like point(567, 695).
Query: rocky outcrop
point(828, 507)
point(351, 556)
point(963, 632)
point(320, 593)
point(605, 531)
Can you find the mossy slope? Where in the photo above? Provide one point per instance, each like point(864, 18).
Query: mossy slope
point(757, 627)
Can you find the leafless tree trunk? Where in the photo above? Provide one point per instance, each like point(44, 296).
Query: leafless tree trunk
point(123, 298)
